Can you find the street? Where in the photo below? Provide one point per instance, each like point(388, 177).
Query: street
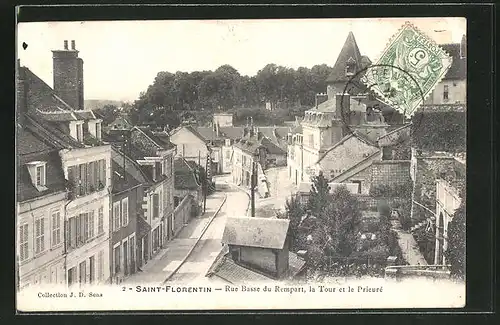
point(194, 267)
point(197, 264)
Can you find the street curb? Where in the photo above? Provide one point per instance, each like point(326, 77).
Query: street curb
point(244, 191)
point(197, 241)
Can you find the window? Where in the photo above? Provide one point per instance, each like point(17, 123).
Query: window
point(91, 269)
point(445, 92)
point(359, 185)
point(100, 270)
point(116, 216)
point(100, 221)
point(131, 244)
point(71, 276)
point(116, 259)
point(23, 242)
point(98, 131)
point(79, 132)
point(311, 140)
point(56, 228)
point(83, 272)
point(40, 175)
point(39, 235)
point(87, 178)
point(176, 201)
point(125, 257)
point(350, 68)
point(124, 212)
point(156, 207)
point(91, 226)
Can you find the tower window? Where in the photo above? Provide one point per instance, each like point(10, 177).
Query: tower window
point(350, 67)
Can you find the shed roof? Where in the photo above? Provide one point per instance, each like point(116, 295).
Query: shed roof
point(256, 232)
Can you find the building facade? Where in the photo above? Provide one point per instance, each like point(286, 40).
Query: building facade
point(452, 89)
point(84, 165)
point(447, 201)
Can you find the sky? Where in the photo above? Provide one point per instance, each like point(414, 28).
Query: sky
point(122, 58)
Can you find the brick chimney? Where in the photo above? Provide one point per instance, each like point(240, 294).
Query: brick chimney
point(68, 75)
point(320, 98)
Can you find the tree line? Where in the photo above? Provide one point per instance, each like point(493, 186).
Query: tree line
point(172, 96)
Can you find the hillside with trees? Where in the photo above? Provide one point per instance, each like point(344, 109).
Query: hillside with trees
point(173, 97)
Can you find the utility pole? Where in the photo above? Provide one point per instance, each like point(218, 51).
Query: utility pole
point(253, 186)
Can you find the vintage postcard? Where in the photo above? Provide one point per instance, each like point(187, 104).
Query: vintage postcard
point(241, 164)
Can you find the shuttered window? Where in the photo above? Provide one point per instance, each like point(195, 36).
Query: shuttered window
point(124, 212)
point(39, 235)
point(116, 216)
point(100, 221)
point(156, 207)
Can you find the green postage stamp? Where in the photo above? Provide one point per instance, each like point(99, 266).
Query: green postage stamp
point(408, 70)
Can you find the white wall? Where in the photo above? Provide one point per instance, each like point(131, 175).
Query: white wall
point(47, 266)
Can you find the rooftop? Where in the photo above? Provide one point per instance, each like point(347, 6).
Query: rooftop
point(256, 232)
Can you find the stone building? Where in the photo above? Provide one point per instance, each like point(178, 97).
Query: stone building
point(249, 258)
point(126, 200)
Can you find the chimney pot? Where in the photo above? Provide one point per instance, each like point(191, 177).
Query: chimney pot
point(65, 44)
point(73, 44)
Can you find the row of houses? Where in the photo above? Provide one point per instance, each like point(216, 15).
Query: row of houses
point(92, 206)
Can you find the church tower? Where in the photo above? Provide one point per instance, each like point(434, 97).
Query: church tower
point(348, 64)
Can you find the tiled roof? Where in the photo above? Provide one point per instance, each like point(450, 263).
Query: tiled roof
point(40, 95)
point(232, 132)
point(458, 69)
point(251, 144)
point(348, 51)
point(28, 143)
point(225, 268)
point(58, 116)
point(159, 140)
point(206, 133)
point(51, 132)
point(122, 180)
point(120, 123)
point(84, 115)
point(256, 232)
point(32, 148)
point(184, 173)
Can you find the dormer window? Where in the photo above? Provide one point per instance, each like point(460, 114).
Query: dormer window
point(79, 132)
point(38, 174)
point(350, 68)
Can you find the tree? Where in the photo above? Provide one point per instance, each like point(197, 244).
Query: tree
point(455, 253)
point(343, 217)
point(294, 212)
point(319, 195)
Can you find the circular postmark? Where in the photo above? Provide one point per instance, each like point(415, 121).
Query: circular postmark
point(389, 94)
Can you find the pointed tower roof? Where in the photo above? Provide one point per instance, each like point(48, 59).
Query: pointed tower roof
point(349, 53)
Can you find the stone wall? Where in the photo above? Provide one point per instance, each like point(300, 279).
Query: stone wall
point(390, 172)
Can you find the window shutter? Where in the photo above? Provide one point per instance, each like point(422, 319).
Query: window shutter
point(155, 205)
point(125, 212)
point(91, 177)
point(95, 165)
point(102, 175)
